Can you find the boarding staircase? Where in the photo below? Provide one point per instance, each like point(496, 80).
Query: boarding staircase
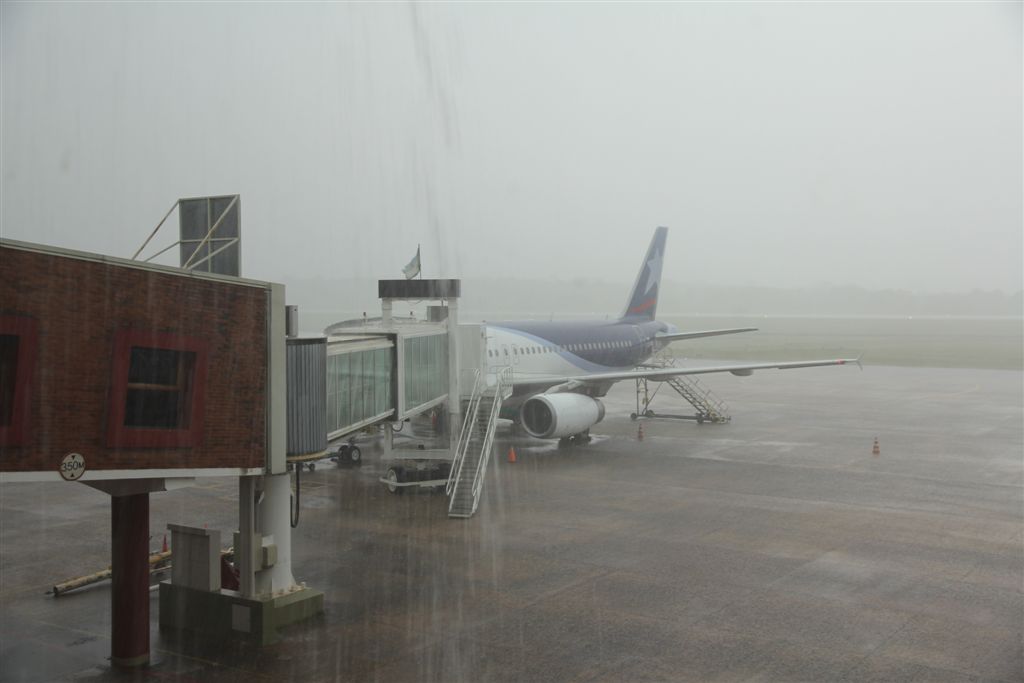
point(466, 480)
point(709, 407)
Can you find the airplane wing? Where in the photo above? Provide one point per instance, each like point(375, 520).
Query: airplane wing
point(679, 336)
point(558, 384)
point(741, 370)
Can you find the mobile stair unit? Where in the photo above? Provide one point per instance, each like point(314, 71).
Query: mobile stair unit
point(709, 407)
point(466, 479)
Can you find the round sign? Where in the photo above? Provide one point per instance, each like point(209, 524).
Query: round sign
point(72, 466)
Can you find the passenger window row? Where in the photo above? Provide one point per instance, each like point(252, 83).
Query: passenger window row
point(530, 350)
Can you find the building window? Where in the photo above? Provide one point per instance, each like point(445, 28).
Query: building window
point(19, 341)
point(158, 390)
point(8, 373)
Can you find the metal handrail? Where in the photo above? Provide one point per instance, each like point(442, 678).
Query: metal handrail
point(462, 450)
point(485, 456)
point(473, 397)
point(693, 390)
point(502, 380)
point(465, 434)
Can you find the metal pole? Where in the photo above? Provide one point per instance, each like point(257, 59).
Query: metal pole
point(162, 251)
point(454, 391)
point(158, 226)
point(291, 321)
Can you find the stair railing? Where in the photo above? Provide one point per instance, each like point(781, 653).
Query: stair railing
point(466, 433)
point(502, 390)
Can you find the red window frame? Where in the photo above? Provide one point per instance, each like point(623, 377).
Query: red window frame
point(27, 331)
point(121, 436)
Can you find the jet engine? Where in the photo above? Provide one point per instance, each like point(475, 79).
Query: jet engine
point(553, 416)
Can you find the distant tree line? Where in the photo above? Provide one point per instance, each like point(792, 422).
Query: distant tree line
point(542, 298)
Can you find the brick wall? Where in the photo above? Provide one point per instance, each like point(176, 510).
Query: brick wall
point(80, 305)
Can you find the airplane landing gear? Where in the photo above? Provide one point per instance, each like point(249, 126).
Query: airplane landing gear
point(575, 439)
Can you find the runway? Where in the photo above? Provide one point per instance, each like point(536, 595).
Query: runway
point(772, 548)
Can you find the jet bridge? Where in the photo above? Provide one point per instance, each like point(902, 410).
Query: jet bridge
point(376, 373)
point(393, 369)
point(360, 378)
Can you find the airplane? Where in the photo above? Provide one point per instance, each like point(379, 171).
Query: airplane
point(561, 368)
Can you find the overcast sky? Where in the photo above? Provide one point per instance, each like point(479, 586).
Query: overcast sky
point(784, 144)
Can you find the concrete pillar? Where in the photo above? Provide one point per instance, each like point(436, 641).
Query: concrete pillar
point(129, 561)
point(385, 313)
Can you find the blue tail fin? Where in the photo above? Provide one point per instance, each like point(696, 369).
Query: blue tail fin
point(643, 301)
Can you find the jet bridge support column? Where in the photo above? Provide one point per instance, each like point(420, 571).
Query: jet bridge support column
point(129, 550)
point(245, 542)
point(274, 519)
point(268, 596)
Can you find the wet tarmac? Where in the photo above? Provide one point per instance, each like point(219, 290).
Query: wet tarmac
point(772, 548)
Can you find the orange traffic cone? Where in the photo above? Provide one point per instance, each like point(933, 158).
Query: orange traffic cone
point(639, 432)
point(164, 548)
point(511, 454)
point(875, 450)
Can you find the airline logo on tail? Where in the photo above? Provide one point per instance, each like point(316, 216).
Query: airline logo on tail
point(643, 301)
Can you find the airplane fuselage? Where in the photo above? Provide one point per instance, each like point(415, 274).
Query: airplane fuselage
point(550, 351)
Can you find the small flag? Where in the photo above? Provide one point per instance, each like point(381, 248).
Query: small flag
point(413, 268)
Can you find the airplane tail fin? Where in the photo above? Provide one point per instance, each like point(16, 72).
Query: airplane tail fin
point(643, 300)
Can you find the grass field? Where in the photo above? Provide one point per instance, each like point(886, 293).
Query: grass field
point(996, 343)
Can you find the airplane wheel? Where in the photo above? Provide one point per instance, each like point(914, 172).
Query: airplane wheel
point(393, 480)
point(632, 416)
point(649, 413)
point(355, 455)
